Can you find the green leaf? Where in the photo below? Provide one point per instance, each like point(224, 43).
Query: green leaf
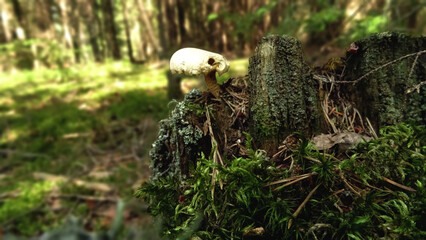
point(212, 16)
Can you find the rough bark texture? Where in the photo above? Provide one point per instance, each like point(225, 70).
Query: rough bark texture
point(283, 96)
point(381, 96)
point(179, 140)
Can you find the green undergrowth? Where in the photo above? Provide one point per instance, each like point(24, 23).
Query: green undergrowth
point(71, 121)
point(51, 118)
point(345, 196)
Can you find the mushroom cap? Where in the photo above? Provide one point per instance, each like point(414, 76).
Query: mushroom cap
point(194, 61)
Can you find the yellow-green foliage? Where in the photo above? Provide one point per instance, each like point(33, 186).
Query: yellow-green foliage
point(30, 195)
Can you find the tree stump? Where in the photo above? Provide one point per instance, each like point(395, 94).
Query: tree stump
point(283, 95)
point(383, 68)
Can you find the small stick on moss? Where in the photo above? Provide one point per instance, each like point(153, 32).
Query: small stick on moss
point(296, 213)
point(347, 184)
point(303, 176)
point(296, 180)
point(399, 185)
point(371, 129)
point(217, 159)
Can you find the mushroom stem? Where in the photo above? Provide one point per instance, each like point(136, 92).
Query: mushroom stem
point(212, 84)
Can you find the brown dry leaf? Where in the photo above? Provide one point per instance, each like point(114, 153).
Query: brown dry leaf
point(254, 231)
point(344, 140)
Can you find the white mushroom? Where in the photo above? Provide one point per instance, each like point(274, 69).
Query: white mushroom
point(193, 61)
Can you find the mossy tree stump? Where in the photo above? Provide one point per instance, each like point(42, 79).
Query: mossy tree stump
point(283, 95)
point(383, 68)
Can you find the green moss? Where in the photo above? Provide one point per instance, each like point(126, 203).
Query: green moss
point(243, 195)
point(30, 196)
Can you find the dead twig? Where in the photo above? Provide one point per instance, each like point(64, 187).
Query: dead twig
point(387, 64)
point(84, 197)
point(371, 129)
point(347, 183)
point(22, 154)
point(296, 213)
point(399, 185)
point(415, 87)
point(217, 159)
point(292, 180)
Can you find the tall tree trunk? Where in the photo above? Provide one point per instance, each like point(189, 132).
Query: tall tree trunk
point(21, 31)
point(181, 6)
point(161, 28)
point(171, 23)
point(127, 31)
point(148, 26)
point(66, 23)
point(100, 34)
point(110, 29)
point(4, 18)
point(88, 11)
point(75, 33)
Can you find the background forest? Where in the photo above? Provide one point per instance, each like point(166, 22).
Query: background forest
point(83, 85)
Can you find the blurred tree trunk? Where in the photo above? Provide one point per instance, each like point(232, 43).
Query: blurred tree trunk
point(63, 4)
point(181, 6)
point(172, 27)
point(21, 31)
point(149, 28)
point(88, 11)
point(127, 31)
point(101, 32)
point(110, 29)
point(75, 33)
point(161, 28)
point(5, 34)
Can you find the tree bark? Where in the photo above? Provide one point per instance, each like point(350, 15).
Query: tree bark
point(110, 29)
point(381, 80)
point(161, 28)
point(21, 29)
point(149, 28)
point(75, 33)
point(283, 96)
point(5, 33)
point(92, 26)
point(127, 31)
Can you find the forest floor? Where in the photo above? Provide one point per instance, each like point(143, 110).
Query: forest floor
point(74, 141)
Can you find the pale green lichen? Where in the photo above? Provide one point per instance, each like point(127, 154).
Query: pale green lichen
point(177, 140)
point(281, 90)
point(381, 95)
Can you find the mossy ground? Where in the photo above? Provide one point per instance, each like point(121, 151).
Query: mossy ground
point(302, 194)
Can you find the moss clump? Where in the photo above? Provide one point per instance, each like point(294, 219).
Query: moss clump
point(310, 195)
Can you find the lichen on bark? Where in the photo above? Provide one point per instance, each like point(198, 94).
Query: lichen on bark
point(283, 96)
point(178, 140)
point(380, 92)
